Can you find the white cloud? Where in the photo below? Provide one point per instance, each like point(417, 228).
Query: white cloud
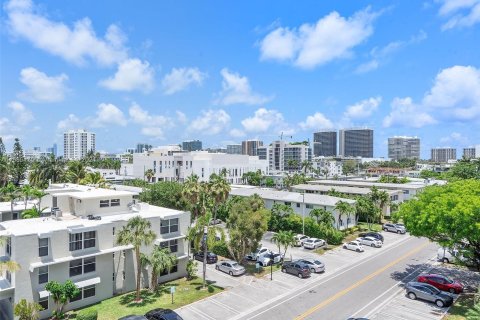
point(405, 113)
point(155, 132)
point(179, 79)
point(22, 115)
point(460, 13)
point(455, 138)
point(6, 130)
point(210, 122)
point(181, 117)
point(75, 44)
point(311, 45)
point(70, 122)
point(316, 122)
point(236, 90)
point(108, 114)
point(456, 93)
point(132, 74)
point(237, 133)
point(42, 88)
point(363, 109)
point(143, 117)
point(263, 120)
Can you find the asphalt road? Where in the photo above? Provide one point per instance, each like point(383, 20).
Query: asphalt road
point(356, 290)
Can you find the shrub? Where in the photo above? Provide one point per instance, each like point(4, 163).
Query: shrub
point(220, 249)
point(87, 315)
point(192, 268)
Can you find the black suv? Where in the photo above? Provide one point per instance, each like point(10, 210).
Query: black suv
point(211, 257)
point(297, 268)
point(162, 314)
point(374, 235)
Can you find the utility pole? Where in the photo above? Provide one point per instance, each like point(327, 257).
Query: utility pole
point(303, 212)
point(205, 234)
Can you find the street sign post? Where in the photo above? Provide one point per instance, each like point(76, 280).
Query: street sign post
point(172, 291)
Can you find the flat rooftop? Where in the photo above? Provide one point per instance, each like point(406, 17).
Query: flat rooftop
point(286, 196)
point(368, 184)
point(85, 192)
point(342, 189)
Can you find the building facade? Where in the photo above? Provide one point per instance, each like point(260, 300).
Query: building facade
point(72, 246)
point(328, 166)
point(77, 143)
point(403, 148)
point(325, 143)
point(250, 147)
point(170, 164)
point(284, 156)
point(443, 154)
point(192, 145)
point(471, 152)
point(234, 149)
point(356, 143)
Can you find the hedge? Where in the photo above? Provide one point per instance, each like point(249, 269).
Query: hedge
point(87, 315)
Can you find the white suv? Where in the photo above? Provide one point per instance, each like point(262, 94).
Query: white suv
point(254, 255)
point(265, 260)
point(394, 227)
point(300, 239)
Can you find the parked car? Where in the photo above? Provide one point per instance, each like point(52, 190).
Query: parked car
point(299, 239)
point(375, 235)
point(231, 267)
point(354, 245)
point(162, 314)
point(211, 257)
point(449, 255)
point(254, 255)
point(394, 227)
point(133, 317)
point(313, 243)
point(297, 268)
point(265, 258)
point(316, 266)
point(418, 290)
point(370, 241)
point(441, 282)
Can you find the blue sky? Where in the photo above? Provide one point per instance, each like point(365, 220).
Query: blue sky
point(165, 71)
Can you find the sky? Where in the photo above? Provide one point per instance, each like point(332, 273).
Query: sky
point(162, 72)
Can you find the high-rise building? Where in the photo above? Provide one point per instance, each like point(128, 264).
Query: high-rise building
point(192, 145)
point(284, 156)
point(356, 142)
point(142, 147)
point(53, 149)
point(472, 152)
point(77, 143)
point(325, 143)
point(234, 149)
point(443, 154)
point(250, 147)
point(403, 148)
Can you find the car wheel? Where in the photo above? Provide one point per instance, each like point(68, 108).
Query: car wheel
point(300, 275)
point(440, 303)
point(412, 295)
point(445, 260)
point(216, 267)
point(399, 231)
point(344, 247)
point(312, 270)
point(284, 270)
point(358, 250)
point(230, 273)
point(385, 229)
point(372, 245)
point(452, 290)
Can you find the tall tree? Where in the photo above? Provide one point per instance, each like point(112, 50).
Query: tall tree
point(25, 310)
point(52, 169)
point(27, 192)
point(10, 193)
point(61, 295)
point(219, 189)
point(160, 260)
point(149, 174)
point(18, 163)
point(380, 198)
point(323, 216)
point(75, 171)
point(283, 239)
point(137, 232)
point(192, 192)
point(343, 208)
point(95, 179)
point(166, 194)
point(307, 166)
point(4, 167)
point(2, 148)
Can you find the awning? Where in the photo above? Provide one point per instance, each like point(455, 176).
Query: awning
point(80, 284)
point(158, 241)
point(82, 229)
point(43, 294)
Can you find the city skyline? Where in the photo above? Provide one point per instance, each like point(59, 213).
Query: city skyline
point(143, 77)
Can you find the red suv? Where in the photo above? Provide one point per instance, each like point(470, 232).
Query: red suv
point(441, 282)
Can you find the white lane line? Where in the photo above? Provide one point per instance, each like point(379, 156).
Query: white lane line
point(306, 287)
point(243, 297)
point(223, 305)
point(201, 313)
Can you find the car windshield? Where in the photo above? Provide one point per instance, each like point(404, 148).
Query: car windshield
point(235, 265)
point(447, 280)
point(317, 262)
point(309, 240)
point(400, 225)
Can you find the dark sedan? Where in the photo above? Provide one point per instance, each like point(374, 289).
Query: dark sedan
point(375, 235)
point(162, 314)
point(211, 257)
point(297, 268)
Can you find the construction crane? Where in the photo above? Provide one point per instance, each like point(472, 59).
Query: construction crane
point(281, 136)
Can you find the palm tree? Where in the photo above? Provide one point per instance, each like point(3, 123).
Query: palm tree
point(75, 172)
point(306, 166)
point(285, 239)
point(27, 310)
point(137, 232)
point(38, 194)
point(189, 237)
point(32, 213)
point(343, 208)
point(10, 192)
point(219, 190)
point(160, 260)
point(27, 192)
point(380, 198)
point(322, 216)
point(94, 178)
point(149, 174)
point(53, 169)
point(10, 266)
point(192, 192)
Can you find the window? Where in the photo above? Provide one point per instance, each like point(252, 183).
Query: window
point(123, 275)
point(89, 291)
point(43, 302)
point(8, 248)
point(169, 226)
point(309, 206)
point(8, 276)
point(298, 205)
point(288, 203)
point(104, 203)
point(75, 241)
point(75, 267)
point(77, 297)
point(115, 202)
point(43, 275)
point(43, 247)
point(89, 265)
point(172, 245)
point(89, 239)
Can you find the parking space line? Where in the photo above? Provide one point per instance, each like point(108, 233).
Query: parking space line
point(201, 313)
point(401, 308)
point(240, 296)
point(223, 305)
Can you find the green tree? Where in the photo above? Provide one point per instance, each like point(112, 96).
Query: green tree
point(307, 166)
point(449, 215)
point(160, 259)
point(343, 208)
point(349, 167)
point(366, 210)
point(322, 216)
point(27, 192)
point(4, 165)
point(95, 179)
point(38, 194)
point(283, 239)
point(278, 215)
point(25, 310)
point(246, 225)
point(253, 178)
point(137, 232)
point(380, 198)
point(192, 268)
point(218, 188)
point(269, 182)
point(149, 174)
point(33, 212)
point(61, 295)
point(18, 163)
point(51, 169)
point(166, 194)
point(192, 193)
point(10, 193)
point(75, 171)
point(2, 148)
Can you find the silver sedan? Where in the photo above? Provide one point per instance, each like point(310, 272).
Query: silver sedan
point(316, 266)
point(231, 267)
point(370, 241)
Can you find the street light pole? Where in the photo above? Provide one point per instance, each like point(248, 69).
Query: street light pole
point(205, 233)
point(303, 212)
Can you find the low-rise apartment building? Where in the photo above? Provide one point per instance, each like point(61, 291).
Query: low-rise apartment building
point(78, 243)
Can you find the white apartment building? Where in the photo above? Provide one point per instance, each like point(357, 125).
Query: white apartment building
point(77, 143)
point(401, 147)
point(35, 153)
point(472, 152)
point(301, 204)
point(78, 243)
point(281, 154)
point(170, 163)
point(328, 166)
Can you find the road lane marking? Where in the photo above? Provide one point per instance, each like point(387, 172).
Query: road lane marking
point(358, 283)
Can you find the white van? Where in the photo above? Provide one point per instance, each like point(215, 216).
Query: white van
point(448, 255)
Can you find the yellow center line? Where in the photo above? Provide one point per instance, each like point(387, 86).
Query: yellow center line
point(357, 284)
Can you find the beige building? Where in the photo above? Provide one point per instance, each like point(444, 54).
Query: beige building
point(79, 243)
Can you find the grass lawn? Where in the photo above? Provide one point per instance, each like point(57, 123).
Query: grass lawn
point(186, 292)
point(375, 227)
point(459, 310)
point(252, 270)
